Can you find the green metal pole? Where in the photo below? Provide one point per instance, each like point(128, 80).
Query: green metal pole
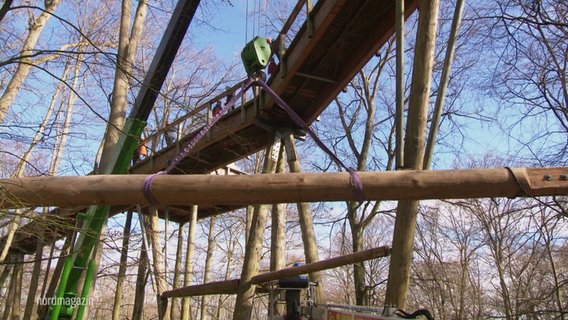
point(97, 215)
point(56, 308)
point(86, 288)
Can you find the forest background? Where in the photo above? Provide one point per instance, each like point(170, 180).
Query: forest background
point(506, 106)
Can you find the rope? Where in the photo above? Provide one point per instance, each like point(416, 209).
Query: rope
point(354, 179)
point(147, 185)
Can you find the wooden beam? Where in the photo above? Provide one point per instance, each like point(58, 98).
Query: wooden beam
point(230, 286)
point(218, 287)
point(322, 265)
point(282, 188)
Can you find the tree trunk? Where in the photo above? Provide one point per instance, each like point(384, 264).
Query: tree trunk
point(405, 224)
point(9, 306)
point(358, 268)
point(12, 308)
point(63, 132)
point(127, 49)
point(444, 81)
point(177, 266)
point(251, 263)
point(186, 307)
point(4, 275)
point(69, 239)
point(24, 160)
point(207, 269)
point(141, 281)
point(158, 264)
point(122, 267)
point(34, 280)
point(228, 267)
point(26, 63)
point(306, 221)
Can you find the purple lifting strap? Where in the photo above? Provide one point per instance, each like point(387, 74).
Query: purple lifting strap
point(147, 185)
point(354, 180)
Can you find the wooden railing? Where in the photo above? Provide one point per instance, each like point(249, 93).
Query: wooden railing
point(199, 116)
point(191, 121)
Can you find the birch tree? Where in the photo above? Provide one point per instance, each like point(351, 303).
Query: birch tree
point(25, 61)
point(129, 37)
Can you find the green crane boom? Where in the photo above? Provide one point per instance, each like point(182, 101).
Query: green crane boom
point(78, 264)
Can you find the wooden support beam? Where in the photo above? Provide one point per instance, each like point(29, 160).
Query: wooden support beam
point(218, 287)
point(230, 286)
point(282, 188)
point(322, 265)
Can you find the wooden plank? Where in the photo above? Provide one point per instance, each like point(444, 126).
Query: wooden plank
point(282, 188)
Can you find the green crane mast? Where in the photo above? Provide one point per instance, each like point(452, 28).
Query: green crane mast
point(67, 301)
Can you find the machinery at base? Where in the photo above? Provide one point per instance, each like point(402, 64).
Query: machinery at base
point(289, 291)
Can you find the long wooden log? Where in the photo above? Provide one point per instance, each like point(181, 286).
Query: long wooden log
point(217, 287)
point(282, 188)
point(230, 286)
point(322, 265)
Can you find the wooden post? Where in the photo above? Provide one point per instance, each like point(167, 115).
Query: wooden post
point(278, 241)
point(122, 267)
point(158, 265)
point(211, 242)
point(278, 228)
point(283, 188)
point(186, 307)
point(405, 224)
point(174, 310)
point(399, 116)
point(141, 280)
point(251, 263)
point(306, 221)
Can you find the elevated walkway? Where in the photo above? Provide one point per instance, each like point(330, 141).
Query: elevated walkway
point(336, 39)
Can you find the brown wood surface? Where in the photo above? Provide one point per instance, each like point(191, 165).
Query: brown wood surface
point(218, 287)
point(282, 188)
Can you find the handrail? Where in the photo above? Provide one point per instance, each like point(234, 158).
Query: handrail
point(156, 137)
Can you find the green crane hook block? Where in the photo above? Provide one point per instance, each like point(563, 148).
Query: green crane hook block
point(255, 55)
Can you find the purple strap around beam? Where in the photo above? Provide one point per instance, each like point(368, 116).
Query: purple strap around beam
point(147, 185)
point(355, 181)
point(147, 188)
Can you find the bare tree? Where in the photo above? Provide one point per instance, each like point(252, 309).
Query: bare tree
point(529, 38)
point(129, 37)
point(26, 61)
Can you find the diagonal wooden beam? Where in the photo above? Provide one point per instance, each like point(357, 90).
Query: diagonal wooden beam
point(230, 286)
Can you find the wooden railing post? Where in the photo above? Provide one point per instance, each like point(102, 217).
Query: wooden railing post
point(309, 7)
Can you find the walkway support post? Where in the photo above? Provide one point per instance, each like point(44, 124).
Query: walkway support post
point(306, 220)
point(251, 263)
point(405, 224)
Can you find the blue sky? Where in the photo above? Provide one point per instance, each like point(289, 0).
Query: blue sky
point(229, 34)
